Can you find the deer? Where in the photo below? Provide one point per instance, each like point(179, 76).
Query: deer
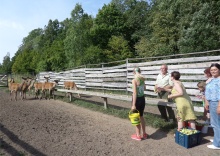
point(37, 88)
point(15, 87)
point(31, 86)
point(50, 86)
point(25, 87)
point(70, 85)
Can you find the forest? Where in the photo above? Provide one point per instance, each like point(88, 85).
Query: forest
point(121, 29)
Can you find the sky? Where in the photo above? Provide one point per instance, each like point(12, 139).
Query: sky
point(19, 17)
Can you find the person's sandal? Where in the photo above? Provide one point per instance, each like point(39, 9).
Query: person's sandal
point(144, 136)
point(135, 137)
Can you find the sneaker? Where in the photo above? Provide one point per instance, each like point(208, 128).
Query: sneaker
point(144, 136)
point(213, 147)
point(135, 137)
point(211, 140)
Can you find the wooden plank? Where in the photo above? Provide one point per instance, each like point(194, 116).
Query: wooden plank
point(93, 75)
point(115, 75)
point(94, 80)
point(123, 79)
point(93, 84)
point(172, 61)
point(106, 75)
point(115, 85)
point(192, 65)
point(73, 78)
point(93, 69)
point(93, 72)
point(115, 67)
point(115, 71)
point(183, 77)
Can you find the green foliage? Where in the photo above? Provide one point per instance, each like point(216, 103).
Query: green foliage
point(117, 49)
point(6, 65)
point(204, 30)
point(121, 29)
point(109, 21)
point(93, 55)
point(78, 37)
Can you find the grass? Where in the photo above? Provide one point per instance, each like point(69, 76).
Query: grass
point(152, 120)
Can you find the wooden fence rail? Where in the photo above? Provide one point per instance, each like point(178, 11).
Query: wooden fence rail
point(3, 80)
point(120, 77)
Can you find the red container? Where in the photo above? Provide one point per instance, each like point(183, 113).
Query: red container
point(198, 127)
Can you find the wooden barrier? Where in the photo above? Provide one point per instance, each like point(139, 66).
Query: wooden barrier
point(118, 78)
point(105, 96)
point(3, 80)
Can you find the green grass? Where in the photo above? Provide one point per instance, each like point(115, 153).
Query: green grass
point(152, 120)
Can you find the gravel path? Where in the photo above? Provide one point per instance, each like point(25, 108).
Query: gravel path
point(56, 128)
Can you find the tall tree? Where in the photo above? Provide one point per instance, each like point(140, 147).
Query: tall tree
point(6, 65)
point(109, 21)
point(203, 29)
point(78, 37)
point(118, 49)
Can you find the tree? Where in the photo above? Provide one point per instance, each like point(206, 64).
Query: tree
point(203, 30)
point(108, 22)
point(78, 37)
point(118, 49)
point(6, 65)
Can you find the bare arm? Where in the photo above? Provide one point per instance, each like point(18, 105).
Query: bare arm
point(206, 104)
point(218, 108)
point(168, 89)
point(179, 91)
point(134, 95)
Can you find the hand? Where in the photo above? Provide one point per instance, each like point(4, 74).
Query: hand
point(206, 106)
point(169, 96)
point(159, 89)
point(133, 107)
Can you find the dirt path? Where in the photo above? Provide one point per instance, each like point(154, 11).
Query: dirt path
point(56, 128)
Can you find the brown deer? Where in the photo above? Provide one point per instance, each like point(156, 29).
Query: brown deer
point(31, 86)
point(50, 86)
point(70, 85)
point(15, 87)
point(25, 87)
point(37, 88)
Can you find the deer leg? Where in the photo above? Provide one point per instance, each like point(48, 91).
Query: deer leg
point(50, 92)
point(11, 95)
point(15, 95)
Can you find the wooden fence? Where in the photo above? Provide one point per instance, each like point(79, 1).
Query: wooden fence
point(3, 80)
point(118, 78)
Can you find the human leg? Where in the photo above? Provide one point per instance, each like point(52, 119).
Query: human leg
point(192, 124)
point(163, 109)
point(215, 123)
point(171, 113)
point(163, 112)
point(137, 135)
point(180, 125)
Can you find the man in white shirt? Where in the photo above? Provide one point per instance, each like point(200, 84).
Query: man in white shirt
point(163, 80)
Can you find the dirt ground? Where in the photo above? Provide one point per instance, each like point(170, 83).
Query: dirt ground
point(55, 128)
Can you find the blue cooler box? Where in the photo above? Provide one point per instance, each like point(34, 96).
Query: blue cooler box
point(188, 141)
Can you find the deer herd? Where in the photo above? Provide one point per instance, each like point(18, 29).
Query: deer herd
point(29, 84)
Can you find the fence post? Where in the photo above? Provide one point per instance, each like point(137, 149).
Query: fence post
point(127, 76)
point(85, 77)
point(103, 90)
